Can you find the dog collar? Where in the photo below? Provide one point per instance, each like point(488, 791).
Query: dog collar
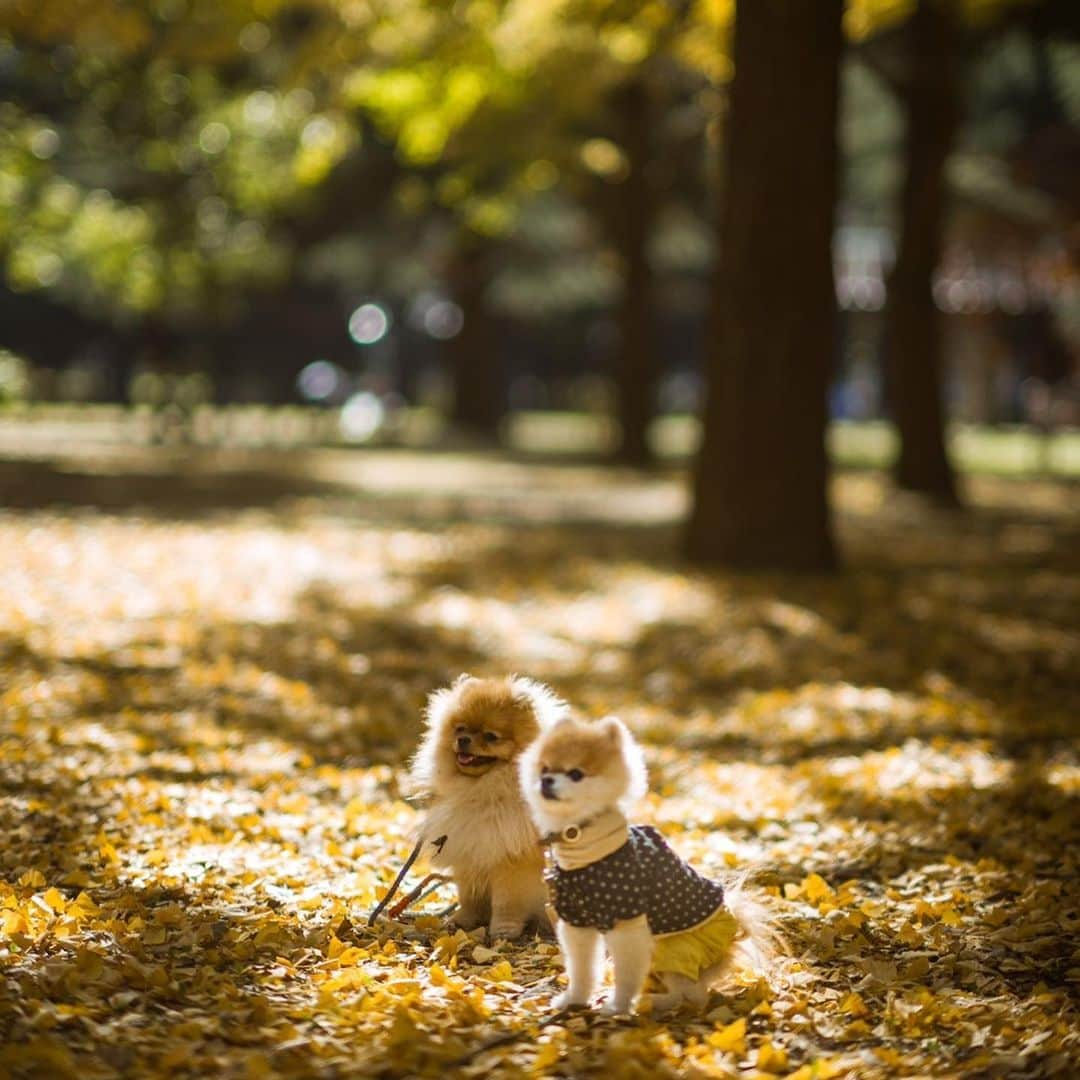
point(583, 842)
point(568, 834)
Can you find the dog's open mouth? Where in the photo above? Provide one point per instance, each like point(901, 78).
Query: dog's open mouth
point(468, 761)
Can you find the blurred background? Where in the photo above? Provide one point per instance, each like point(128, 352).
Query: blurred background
point(300, 222)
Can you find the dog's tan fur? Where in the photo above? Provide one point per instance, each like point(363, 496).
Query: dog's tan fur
point(491, 849)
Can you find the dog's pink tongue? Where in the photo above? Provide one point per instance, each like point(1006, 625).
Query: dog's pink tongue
point(465, 759)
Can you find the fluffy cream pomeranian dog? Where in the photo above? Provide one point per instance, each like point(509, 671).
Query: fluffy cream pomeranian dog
point(477, 828)
point(621, 885)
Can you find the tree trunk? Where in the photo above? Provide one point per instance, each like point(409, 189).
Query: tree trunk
point(913, 332)
point(479, 381)
point(760, 497)
point(633, 215)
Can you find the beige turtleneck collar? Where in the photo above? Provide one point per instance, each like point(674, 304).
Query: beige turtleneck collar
point(575, 846)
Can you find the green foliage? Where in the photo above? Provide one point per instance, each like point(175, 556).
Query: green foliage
point(143, 169)
point(155, 155)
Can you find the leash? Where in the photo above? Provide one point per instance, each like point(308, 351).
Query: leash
point(427, 886)
point(416, 893)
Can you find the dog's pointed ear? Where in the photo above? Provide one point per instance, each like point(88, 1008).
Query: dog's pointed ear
point(522, 690)
point(614, 729)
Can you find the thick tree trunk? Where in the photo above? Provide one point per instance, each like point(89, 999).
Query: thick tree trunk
point(479, 381)
point(913, 332)
point(633, 215)
point(760, 497)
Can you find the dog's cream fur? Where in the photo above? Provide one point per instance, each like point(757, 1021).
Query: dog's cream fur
point(492, 848)
point(594, 772)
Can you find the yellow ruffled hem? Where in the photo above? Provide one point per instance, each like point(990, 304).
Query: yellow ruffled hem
point(690, 952)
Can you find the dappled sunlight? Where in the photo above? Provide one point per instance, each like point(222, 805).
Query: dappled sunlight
point(921, 771)
point(740, 798)
point(494, 487)
point(204, 724)
point(1064, 776)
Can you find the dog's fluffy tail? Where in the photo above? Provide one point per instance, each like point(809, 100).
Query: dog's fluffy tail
point(760, 943)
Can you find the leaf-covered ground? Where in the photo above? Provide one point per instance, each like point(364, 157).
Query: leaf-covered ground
point(211, 676)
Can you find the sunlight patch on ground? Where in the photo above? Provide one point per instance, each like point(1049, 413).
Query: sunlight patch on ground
point(919, 770)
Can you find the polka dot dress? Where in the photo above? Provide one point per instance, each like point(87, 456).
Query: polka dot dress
point(643, 877)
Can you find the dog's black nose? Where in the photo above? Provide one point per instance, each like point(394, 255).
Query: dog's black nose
point(547, 785)
point(463, 742)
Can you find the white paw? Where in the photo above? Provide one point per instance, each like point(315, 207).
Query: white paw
point(565, 1001)
point(660, 1003)
point(615, 1007)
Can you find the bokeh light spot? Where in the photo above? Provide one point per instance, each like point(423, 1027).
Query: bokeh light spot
point(443, 320)
point(214, 137)
point(320, 380)
point(361, 416)
point(254, 37)
point(368, 324)
point(45, 144)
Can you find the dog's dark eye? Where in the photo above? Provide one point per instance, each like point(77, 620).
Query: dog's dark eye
point(490, 736)
point(576, 775)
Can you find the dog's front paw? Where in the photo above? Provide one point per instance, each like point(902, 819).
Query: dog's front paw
point(614, 1006)
point(565, 1001)
point(466, 919)
point(505, 929)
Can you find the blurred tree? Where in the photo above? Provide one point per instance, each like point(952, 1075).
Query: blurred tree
point(190, 161)
point(633, 218)
point(202, 165)
point(760, 479)
point(478, 375)
point(928, 89)
point(926, 62)
point(147, 154)
point(508, 101)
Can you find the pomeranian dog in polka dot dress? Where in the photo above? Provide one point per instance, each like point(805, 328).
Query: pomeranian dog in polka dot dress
point(622, 886)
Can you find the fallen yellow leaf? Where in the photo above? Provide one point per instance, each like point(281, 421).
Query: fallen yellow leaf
point(731, 1038)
